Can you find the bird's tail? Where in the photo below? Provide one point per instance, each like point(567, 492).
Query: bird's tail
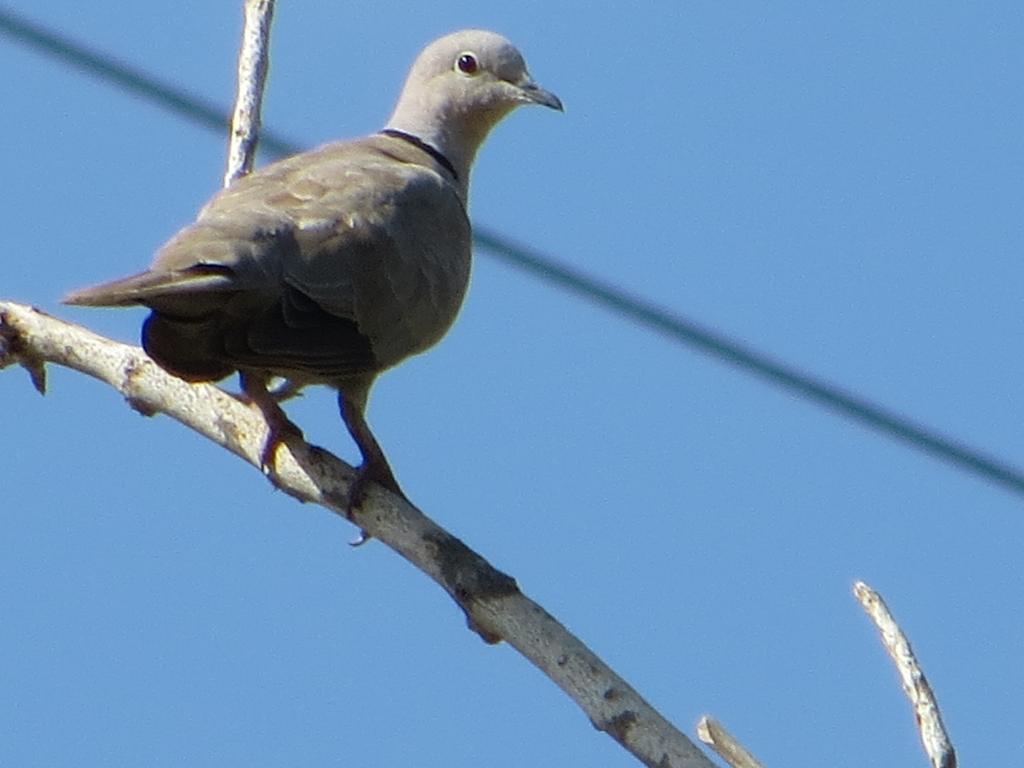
point(153, 288)
point(118, 293)
point(183, 333)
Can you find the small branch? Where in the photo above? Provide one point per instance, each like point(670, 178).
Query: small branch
point(926, 709)
point(491, 600)
point(253, 61)
point(713, 733)
point(494, 607)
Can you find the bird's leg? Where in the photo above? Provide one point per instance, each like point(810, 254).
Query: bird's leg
point(375, 467)
point(279, 426)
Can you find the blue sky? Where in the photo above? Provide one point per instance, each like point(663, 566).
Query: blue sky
point(840, 186)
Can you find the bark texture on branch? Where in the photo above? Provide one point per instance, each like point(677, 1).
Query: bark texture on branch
point(494, 606)
point(713, 733)
point(253, 63)
point(934, 738)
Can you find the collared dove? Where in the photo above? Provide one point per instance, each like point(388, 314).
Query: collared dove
point(333, 265)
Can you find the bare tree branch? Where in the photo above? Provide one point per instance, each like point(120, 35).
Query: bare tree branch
point(713, 733)
point(926, 709)
point(491, 600)
point(253, 62)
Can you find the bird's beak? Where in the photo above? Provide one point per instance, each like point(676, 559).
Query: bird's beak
point(534, 94)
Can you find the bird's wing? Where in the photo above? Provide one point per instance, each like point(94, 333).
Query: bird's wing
point(346, 258)
point(390, 248)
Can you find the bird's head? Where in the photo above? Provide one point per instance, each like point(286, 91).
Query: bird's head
point(460, 87)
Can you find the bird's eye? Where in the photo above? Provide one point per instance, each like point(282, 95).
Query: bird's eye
point(467, 64)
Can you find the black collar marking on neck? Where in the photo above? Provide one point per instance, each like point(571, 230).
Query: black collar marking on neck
point(416, 141)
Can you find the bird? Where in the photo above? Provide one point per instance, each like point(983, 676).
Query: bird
point(333, 265)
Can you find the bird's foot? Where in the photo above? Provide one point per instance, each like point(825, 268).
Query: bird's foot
point(371, 472)
point(279, 427)
point(278, 434)
point(366, 474)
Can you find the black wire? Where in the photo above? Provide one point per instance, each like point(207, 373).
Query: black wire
point(693, 334)
point(671, 325)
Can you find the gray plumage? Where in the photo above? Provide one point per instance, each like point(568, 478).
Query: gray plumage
point(333, 265)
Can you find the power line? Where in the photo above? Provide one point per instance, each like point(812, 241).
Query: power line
point(693, 334)
point(644, 313)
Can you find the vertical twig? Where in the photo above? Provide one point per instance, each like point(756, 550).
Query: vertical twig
point(713, 733)
point(253, 60)
point(926, 709)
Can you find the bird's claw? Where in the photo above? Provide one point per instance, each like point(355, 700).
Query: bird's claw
point(366, 474)
point(370, 472)
point(277, 435)
point(363, 538)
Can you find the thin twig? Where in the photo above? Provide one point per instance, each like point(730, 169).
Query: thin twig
point(491, 600)
point(253, 61)
point(713, 733)
point(926, 709)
